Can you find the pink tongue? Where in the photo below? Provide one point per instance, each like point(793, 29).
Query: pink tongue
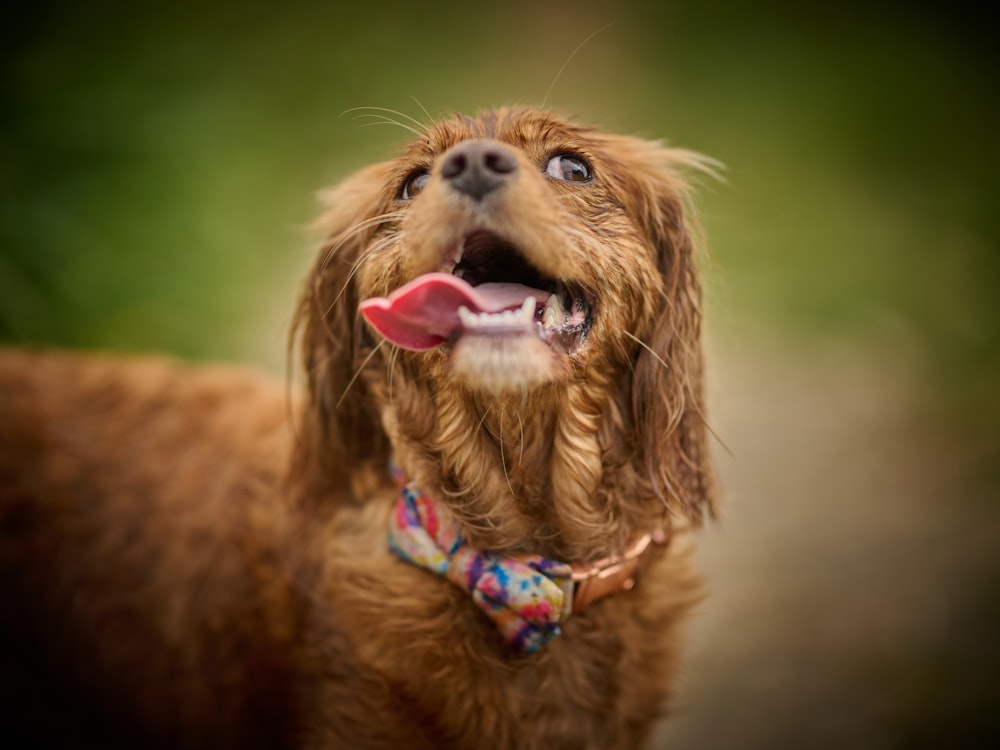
point(423, 313)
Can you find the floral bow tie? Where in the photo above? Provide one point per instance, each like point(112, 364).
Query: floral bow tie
point(526, 596)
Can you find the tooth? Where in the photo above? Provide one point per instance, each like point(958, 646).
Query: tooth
point(458, 252)
point(528, 309)
point(554, 313)
point(467, 318)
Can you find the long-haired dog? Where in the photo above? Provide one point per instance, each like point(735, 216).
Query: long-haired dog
point(471, 529)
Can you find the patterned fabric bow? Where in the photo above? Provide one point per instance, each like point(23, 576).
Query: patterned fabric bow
point(525, 596)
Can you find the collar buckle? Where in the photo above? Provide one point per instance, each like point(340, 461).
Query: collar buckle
point(609, 575)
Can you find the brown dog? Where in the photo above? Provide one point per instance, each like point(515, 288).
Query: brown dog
point(187, 560)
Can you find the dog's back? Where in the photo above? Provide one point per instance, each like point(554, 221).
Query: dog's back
point(139, 547)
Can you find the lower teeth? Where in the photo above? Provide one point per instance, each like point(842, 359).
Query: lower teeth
point(484, 320)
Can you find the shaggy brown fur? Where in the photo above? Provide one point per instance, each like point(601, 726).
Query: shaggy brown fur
point(188, 561)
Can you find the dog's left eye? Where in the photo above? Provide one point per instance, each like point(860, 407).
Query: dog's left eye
point(569, 167)
point(414, 184)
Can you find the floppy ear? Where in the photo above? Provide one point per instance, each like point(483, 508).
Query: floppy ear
point(341, 430)
point(668, 391)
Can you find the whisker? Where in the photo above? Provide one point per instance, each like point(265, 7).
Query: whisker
point(520, 426)
point(479, 427)
point(713, 433)
point(695, 406)
point(395, 112)
point(423, 109)
point(482, 422)
point(379, 246)
point(345, 235)
point(648, 348)
point(388, 121)
point(569, 59)
point(503, 462)
point(393, 359)
point(627, 355)
point(358, 372)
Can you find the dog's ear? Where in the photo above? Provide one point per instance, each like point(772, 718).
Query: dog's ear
point(668, 390)
point(341, 430)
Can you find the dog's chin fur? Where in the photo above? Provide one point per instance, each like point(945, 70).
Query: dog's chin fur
point(505, 364)
point(187, 561)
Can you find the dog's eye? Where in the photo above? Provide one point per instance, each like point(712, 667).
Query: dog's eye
point(414, 184)
point(569, 167)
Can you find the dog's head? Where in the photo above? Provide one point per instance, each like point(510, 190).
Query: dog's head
point(532, 337)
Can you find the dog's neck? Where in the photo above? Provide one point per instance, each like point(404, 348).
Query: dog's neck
point(545, 473)
point(527, 596)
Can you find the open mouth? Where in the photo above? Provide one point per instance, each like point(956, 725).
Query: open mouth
point(486, 287)
point(521, 299)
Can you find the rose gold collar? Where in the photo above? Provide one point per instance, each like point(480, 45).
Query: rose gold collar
point(611, 575)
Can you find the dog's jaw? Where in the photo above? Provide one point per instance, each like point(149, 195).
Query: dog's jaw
point(505, 363)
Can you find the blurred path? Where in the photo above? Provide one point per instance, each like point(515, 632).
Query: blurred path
point(846, 565)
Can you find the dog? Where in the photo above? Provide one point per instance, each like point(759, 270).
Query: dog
point(471, 528)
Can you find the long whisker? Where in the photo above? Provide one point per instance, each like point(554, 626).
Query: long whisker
point(648, 348)
point(482, 422)
point(569, 59)
point(697, 409)
point(358, 372)
point(423, 109)
point(395, 112)
point(503, 462)
point(357, 265)
point(393, 360)
point(379, 120)
point(479, 427)
point(345, 235)
point(713, 433)
point(520, 426)
point(627, 356)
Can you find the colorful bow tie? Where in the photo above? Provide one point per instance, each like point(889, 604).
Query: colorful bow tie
point(526, 596)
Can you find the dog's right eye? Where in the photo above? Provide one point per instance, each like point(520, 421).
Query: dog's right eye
point(569, 168)
point(414, 184)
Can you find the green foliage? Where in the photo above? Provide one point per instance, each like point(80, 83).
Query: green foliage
point(157, 163)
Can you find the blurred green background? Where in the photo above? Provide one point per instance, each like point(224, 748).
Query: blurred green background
point(158, 167)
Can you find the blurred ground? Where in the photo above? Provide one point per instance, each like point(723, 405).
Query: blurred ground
point(846, 573)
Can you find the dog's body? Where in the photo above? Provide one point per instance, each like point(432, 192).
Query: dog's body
point(189, 560)
point(142, 522)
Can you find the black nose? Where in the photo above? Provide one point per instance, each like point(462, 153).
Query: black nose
point(478, 167)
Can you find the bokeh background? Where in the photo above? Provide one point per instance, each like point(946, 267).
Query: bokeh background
point(158, 167)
